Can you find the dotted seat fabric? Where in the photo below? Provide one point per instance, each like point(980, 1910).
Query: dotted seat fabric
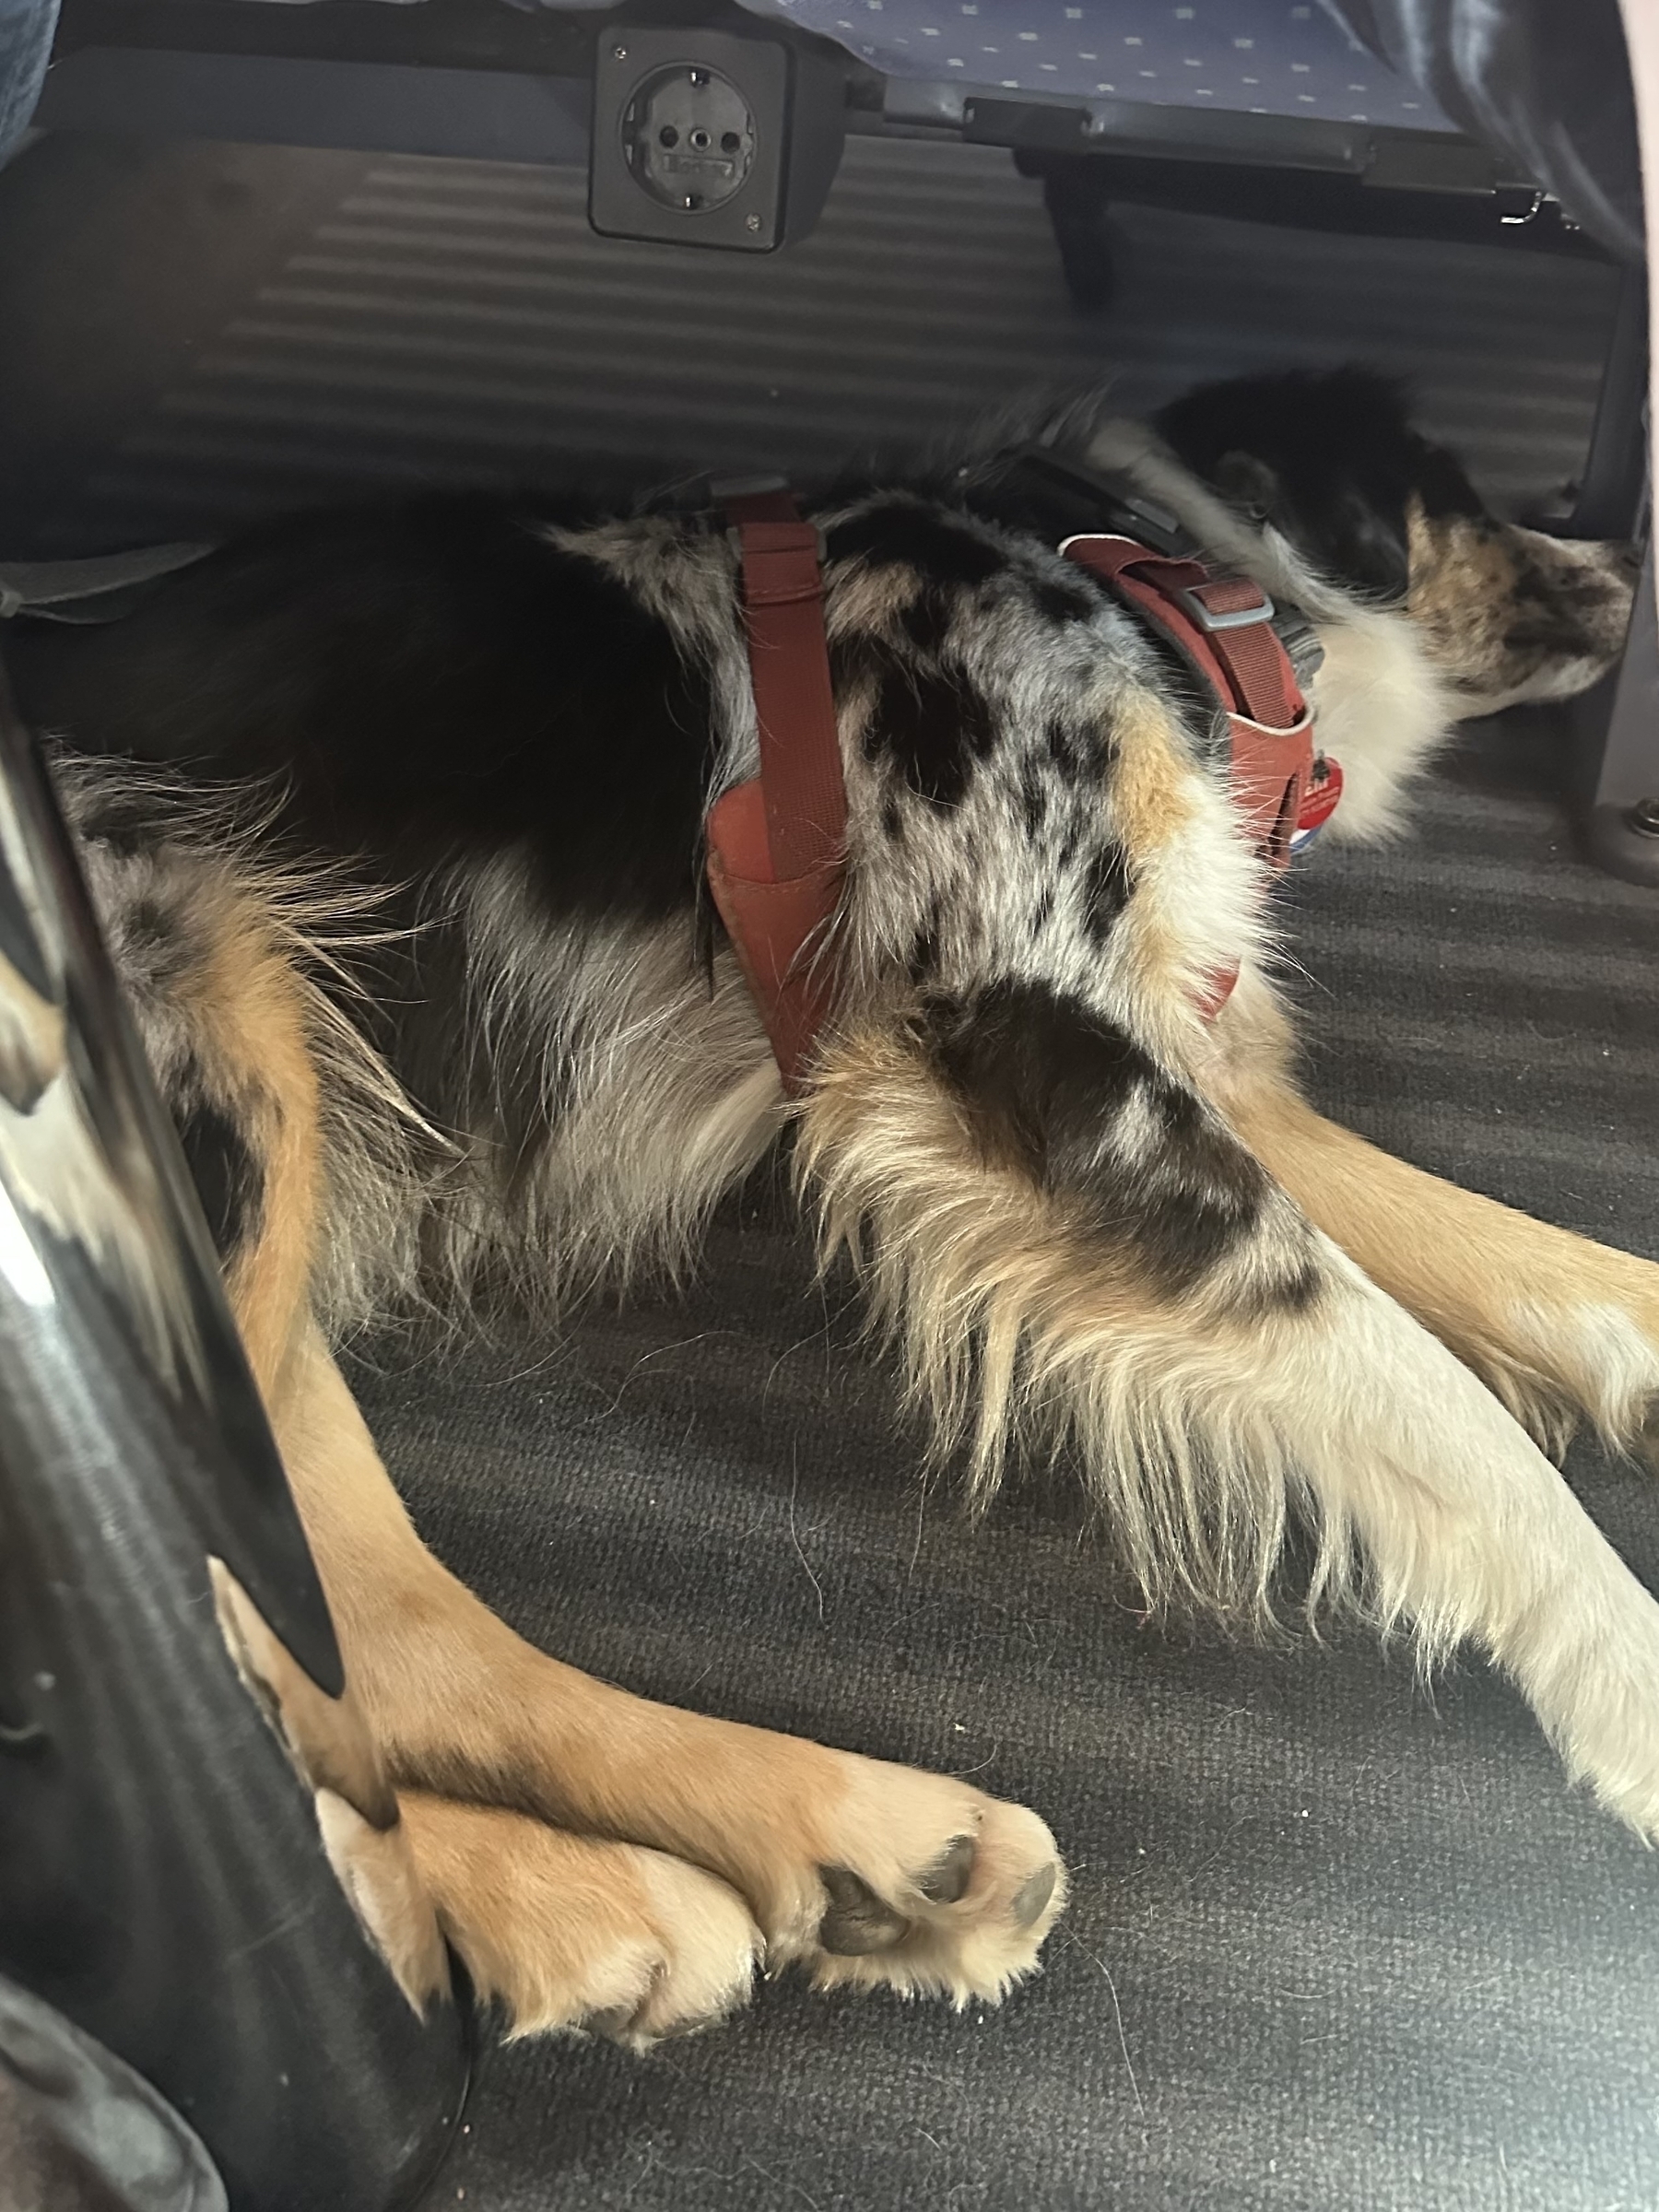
point(1259, 57)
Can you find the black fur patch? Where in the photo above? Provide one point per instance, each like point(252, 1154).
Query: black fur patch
point(933, 726)
point(1330, 458)
point(428, 681)
point(926, 620)
point(1105, 889)
point(426, 678)
point(919, 536)
point(228, 1178)
point(161, 941)
point(1064, 602)
point(1045, 1080)
point(924, 952)
point(1068, 749)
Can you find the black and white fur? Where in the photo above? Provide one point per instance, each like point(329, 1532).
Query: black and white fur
point(507, 720)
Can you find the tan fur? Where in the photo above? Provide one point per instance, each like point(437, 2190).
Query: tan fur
point(461, 1703)
point(453, 1698)
point(567, 1932)
point(222, 982)
point(1202, 1428)
point(1562, 1328)
point(865, 598)
point(356, 1813)
point(597, 1858)
point(1485, 596)
point(1463, 579)
point(31, 1039)
point(249, 1005)
point(1196, 915)
point(1154, 789)
point(1557, 1325)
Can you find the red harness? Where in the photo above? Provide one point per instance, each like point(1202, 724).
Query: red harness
point(777, 844)
point(1223, 627)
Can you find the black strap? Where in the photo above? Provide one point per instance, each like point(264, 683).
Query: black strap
point(97, 590)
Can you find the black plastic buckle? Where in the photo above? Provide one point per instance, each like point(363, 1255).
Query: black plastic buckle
point(1124, 510)
point(1244, 617)
point(721, 489)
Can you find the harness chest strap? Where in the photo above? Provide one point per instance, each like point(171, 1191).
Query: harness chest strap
point(777, 844)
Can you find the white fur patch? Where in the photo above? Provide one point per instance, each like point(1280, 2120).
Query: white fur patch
point(1380, 710)
point(1603, 1356)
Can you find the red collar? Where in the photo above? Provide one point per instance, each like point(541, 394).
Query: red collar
point(777, 844)
point(1223, 627)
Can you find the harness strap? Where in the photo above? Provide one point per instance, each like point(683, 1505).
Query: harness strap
point(96, 590)
point(777, 844)
point(1223, 627)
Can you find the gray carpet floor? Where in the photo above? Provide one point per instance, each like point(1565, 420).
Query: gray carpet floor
point(1336, 1945)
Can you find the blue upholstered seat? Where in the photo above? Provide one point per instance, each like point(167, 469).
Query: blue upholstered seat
point(1264, 57)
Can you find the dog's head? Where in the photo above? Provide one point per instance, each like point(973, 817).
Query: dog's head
point(1331, 461)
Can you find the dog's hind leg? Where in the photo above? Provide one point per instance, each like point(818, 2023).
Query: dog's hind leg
point(222, 1011)
point(1073, 1248)
point(1563, 1329)
point(863, 1870)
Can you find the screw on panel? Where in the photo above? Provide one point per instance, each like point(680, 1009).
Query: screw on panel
point(1644, 817)
point(619, 53)
point(753, 221)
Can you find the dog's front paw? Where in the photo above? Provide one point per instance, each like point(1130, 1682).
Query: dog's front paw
point(1597, 1360)
point(567, 1932)
point(920, 1883)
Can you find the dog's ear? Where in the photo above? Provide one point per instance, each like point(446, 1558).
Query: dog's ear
point(1247, 483)
point(1361, 538)
point(1327, 458)
point(1354, 532)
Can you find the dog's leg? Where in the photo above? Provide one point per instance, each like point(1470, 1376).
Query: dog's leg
point(563, 1931)
point(867, 1872)
point(223, 1014)
point(1562, 1328)
point(1070, 1244)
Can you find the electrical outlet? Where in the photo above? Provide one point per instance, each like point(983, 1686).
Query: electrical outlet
point(711, 138)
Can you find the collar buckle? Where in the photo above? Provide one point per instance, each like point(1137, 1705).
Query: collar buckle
point(1214, 620)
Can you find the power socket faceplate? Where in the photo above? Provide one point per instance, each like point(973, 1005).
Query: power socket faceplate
point(706, 138)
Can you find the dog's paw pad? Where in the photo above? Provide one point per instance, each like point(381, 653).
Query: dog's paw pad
point(943, 1884)
point(1031, 1900)
point(938, 1890)
point(857, 1922)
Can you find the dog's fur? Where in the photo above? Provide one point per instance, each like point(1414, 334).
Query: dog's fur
point(424, 1010)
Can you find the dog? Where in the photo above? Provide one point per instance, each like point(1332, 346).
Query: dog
point(394, 821)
